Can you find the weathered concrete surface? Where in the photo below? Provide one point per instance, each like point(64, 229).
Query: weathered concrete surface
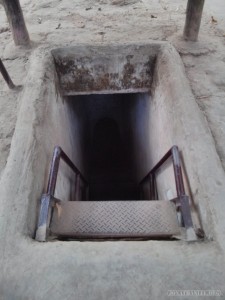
point(109, 270)
point(89, 69)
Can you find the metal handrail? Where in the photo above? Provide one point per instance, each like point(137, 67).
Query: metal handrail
point(174, 153)
point(48, 199)
point(57, 155)
point(182, 200)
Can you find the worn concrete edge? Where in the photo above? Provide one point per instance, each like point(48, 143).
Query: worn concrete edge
point(23, 146)
point(209, 188)
point(35, 79)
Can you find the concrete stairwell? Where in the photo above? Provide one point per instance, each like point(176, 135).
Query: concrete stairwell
point(114, 216)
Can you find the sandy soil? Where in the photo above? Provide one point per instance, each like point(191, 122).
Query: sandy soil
point(62, 22)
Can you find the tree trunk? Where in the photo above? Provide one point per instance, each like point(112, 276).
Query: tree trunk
point(16, 21)
point(193, 19)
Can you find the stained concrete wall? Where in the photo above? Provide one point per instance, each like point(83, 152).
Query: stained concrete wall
point(67, 126)
point(61, 123)
point(87, 70)
point(180, 122)
point(141, 147)
point(152, 136)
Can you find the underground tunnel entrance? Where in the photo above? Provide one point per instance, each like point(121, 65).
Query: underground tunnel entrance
point(112, 131)
point(112, 123)
point(116, 107)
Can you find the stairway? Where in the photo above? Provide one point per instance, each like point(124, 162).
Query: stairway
point(110, 217)
point(107, 219)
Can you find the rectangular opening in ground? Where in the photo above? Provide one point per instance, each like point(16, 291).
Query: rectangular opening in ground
point(115, 137)
point(113, 129)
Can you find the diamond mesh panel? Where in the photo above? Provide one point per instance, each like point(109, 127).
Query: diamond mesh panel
point(114, 219)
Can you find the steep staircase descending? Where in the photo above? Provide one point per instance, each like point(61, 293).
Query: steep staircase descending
point(114, 219)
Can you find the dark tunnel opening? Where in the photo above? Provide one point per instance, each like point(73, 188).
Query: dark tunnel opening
point(115, 142)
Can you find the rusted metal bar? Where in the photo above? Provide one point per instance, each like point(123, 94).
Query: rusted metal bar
point(57, 155)
point(193, 19)
point(156, 197)
point(77, 193)
point(54, 170)
point(46, 199)
point(150, 187)
point(177, 171)
point(16, 21)
point(158, 165)
point(181, 196)
point(6, 76)
point(174, 153)
point(153, 187)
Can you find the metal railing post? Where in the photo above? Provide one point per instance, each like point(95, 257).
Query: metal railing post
point(47, 198)
point(54, 171)
point(181, 196)
point(77, 192)
point(177, 171)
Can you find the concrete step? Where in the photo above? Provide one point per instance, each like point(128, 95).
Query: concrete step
point(107, 219)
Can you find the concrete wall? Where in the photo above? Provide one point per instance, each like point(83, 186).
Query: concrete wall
point(139, 123)
point(67, 128)
point(103, 69)
point(61, 123)
point(179, 121)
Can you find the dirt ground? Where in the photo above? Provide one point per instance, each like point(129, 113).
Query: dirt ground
point(62, 22)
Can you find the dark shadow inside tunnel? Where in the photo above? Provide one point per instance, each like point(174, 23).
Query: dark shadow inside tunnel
point(115, 142)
